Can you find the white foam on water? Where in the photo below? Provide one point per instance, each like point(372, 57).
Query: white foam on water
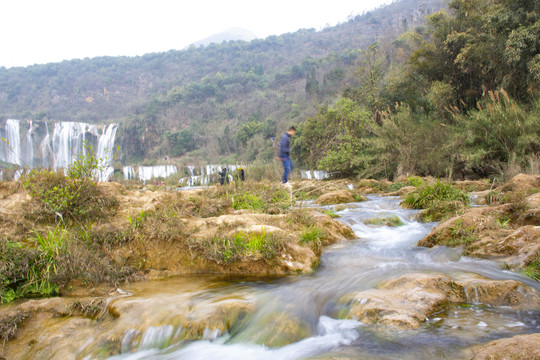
point(331, 333)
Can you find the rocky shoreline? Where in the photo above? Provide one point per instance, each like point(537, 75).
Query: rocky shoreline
point(176, 230)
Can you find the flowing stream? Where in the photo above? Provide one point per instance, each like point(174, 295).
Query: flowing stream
point(301, 313)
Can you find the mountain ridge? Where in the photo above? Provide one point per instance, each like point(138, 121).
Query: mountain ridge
point(231, 34)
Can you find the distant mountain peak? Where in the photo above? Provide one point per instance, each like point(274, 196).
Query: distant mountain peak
point(231, 34)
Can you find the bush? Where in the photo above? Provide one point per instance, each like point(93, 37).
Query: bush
point(415, 181)
point(62, 198)
point(259, 197)
point(24, 272)
point(312, 237)
point(533, 269)
point(247, 200)
point(500, 132)
point(228, 250)
point(437, 200)
point(73, 196)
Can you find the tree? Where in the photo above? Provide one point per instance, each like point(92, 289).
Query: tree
point(312, 84)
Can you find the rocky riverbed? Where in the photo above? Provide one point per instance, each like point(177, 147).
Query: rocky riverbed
point(375, 281)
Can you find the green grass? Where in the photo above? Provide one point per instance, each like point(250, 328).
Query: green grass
point(438, 201)
point(396, 186)
point(312, 235)
point(331, 213)
point(533, 269)
point(229, 250)
point(247, 200)
point(415, 181)
point(27, 272)
point(461, 235)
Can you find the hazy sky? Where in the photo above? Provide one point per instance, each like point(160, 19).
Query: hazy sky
point(42, 31)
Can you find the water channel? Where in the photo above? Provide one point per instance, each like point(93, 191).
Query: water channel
point(301, 313)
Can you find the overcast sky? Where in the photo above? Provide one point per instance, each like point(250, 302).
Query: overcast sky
point(42, 31)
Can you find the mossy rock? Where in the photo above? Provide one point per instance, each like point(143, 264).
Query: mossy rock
point(392, 221)
point(336, 197)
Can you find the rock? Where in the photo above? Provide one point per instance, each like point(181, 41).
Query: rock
point(392, 221)
point(521, 183)
point(336, 197)
point(470, 186)
point(404, 191)
point(335, 230)
point(533, 201)
point(521, 347)
point(479, 197)
point(406, 302)
point(498, 292)
point(277, 328)
point(481, 232)
point(475, 224)
point(520, 248)
point(529, 217)
point(368, 190)
point(342, 207)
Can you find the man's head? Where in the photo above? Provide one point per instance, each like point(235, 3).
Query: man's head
point(291, 131)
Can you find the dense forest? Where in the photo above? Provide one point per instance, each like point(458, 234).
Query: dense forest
point(416, 87)
point(463, 103)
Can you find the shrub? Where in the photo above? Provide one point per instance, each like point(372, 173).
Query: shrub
point(533, 269)
point(312, 236)
point(437, 200)
point(247, 200)
point(228, 250)
point(415, 181)
point(9, 325)
point(396, 186)
point(73, 196)
point(500, 132)
point(24, 272)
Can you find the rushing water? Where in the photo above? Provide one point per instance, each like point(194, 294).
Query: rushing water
point(305, 308)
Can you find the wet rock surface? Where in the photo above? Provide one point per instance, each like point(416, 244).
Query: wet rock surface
point(335, 197)
point(520, 347)
point(508, 231)
point(407, 301)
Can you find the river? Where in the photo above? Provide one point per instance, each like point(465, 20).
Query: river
point(299, 315)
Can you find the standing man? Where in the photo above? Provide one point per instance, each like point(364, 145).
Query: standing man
point(285, 151)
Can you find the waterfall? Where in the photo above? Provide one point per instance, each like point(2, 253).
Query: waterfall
point(320, 175)
point(60, 148)
point(29, 159)
point(46, 149)
point(306, 174)
point(68, 138)
point(159, 171)
point(129, 173)
point(315, 174)
point(10, 149)
point(106, 145)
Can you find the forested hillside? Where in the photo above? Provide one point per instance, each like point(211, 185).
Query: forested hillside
point(464, 104)
point(411, 88)
point(223, 100)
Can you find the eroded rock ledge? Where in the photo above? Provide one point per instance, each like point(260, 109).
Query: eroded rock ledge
point(407, 301)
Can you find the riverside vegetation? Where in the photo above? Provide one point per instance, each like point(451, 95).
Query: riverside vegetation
point(61, 230)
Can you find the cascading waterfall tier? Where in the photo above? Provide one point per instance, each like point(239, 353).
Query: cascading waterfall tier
point(31, 145)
